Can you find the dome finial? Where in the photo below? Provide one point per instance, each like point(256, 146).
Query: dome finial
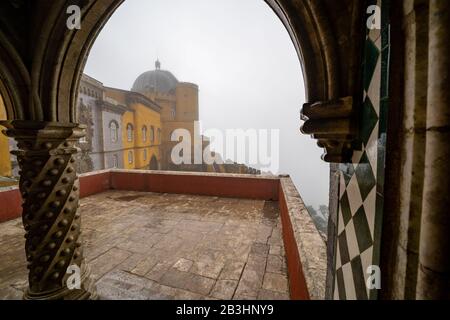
point(157, 64)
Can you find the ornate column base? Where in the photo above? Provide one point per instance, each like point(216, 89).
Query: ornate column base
point(86, 292)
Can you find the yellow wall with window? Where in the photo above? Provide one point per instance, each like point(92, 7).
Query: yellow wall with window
point(138, 151)
point(145, 116)
point(128, 144)
point(5, 160)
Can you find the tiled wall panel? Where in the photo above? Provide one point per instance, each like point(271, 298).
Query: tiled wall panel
point(361, 182)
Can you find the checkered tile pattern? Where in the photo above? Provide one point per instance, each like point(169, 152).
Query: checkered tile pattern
point(360, 190)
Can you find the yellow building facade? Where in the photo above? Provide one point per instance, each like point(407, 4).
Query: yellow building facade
point(141, 134)
point(179, 104)
point(133, 129)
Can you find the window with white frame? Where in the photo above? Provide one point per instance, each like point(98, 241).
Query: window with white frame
point(144, 134)
point(130, 157)
point(129, 132)
point(114, 131)
point(152, 134)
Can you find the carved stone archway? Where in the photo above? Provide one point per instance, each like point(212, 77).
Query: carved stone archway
point(39, 82)
point(322, 32)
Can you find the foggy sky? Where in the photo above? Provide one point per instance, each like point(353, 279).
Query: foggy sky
point(240, 55)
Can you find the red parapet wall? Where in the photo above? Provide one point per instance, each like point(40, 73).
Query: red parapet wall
point(297, 282)
point(95, 183)
point(10, 204)
point(202, 184)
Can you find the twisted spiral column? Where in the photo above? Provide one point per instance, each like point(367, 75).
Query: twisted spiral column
point(50, 190)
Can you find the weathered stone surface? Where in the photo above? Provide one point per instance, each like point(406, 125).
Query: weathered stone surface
point(187, 281)
point(183, 265)
point(144, 266)
point(276, 264)
point(107, 261)
point(224, 289)
point(232, 270)
point(272, 295)
point(275, 282)
point(276, 250)
point(256, 262)
point(209, 265)
point(165, 246)
point(250, 283)
point(311, 247)
point(158, 271)
point(260, 248)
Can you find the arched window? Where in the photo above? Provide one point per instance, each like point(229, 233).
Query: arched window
point(144, 133)
point(114, 131)
point(130, 157)
point(145, 154)
point(129, 132)
point(152, 134)
point(174, 112)
point(158, 137)
point(115, 161)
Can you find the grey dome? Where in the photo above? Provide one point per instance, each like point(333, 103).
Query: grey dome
point(156, 80)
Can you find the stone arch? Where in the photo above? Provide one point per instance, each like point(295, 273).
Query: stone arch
point(40, 82)
point(324, 49)
point(14, 80)
point(40, 79)
point(322, 32)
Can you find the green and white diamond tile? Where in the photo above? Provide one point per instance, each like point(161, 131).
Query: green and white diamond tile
point(357, 226)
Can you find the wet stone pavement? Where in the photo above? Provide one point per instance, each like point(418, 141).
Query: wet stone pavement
point(168, 246)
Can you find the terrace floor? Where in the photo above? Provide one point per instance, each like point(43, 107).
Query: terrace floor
point(143, 245)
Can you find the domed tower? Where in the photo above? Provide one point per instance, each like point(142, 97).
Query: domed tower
point(155, 81)
point(178, 100)
point(187, 101)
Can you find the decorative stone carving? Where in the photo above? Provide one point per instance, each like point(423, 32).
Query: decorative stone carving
point(50, 190)
point(332, 124)
point(85, 118)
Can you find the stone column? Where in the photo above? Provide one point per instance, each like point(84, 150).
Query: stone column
point(50, 190)
point(433, 280)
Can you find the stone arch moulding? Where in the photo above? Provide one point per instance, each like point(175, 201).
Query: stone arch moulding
point(41, 59)
point(14, 80)
point(321, 31)
point(323, 34)
point(71, 53)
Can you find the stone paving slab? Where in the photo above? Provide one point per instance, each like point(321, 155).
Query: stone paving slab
point(150, 246)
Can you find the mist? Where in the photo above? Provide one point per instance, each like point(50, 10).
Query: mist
point(241, 57)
